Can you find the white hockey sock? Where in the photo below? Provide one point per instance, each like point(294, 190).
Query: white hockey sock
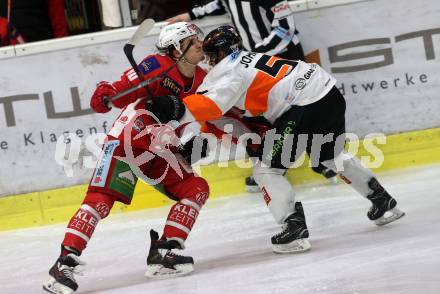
point(352, 169)
point(277, 191)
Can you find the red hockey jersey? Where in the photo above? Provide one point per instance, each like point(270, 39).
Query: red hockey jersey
point(173, 83)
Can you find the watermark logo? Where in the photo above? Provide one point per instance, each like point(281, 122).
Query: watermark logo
point(162, 142)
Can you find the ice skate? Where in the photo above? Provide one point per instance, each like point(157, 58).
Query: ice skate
point(162, 263)
point(383, 211)
point(293, 238)
point(251, 186)
point(61, 279)
point(330, 175)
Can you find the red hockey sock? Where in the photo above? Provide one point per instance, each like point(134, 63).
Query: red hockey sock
point(81, 226)
point(180, 220)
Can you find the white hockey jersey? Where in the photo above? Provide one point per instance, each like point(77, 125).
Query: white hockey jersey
point(258, 84)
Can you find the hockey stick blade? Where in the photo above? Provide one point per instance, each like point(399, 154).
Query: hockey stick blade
point(141, 31)
point(138, 35)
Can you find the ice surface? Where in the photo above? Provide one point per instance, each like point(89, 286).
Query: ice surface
point(232, 252)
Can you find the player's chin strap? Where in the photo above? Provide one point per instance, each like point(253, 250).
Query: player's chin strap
point(182, 57)
point(188, 62)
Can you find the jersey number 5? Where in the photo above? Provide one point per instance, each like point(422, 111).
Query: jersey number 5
point(272, 65)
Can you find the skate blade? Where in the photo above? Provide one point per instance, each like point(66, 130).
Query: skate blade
point(53, 286)
point(158, 271)
point(295, 246)
point(252, 189)
point(395, 215)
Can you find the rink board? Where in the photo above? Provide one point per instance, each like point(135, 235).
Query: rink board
point(387, 71)
point(404, 150)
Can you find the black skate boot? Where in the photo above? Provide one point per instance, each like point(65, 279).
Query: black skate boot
point(294, 236)
point(61, 279)
point(162, 263)
point(251, 186)
point(330, 175)
point(382, 203)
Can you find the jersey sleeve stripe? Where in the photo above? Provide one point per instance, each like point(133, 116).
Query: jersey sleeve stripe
point(202, 107)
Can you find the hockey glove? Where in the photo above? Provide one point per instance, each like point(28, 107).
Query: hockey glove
point(166, 108)
point(104, 89)
point(196, 145)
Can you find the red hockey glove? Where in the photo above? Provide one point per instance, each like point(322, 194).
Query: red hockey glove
point(104, 89)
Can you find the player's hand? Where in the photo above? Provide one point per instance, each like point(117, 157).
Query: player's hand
point(180, 17)
point(104, 89)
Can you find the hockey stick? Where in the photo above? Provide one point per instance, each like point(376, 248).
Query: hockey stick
point(138, 35)
point(128, 50)
point(142, 30)
point(151, 80)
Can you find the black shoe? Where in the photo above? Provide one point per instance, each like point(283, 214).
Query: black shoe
point(382, 202)
point(162, 262)
point(294, 236)
point(326, 172)
point(61, 275)
point(251, 186)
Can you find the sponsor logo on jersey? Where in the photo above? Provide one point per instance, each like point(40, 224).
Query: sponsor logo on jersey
point(123, 119)
point(278, 146)
point(128, 176)
point(309, 73)
point(126, 116)
point(280, 7)
point(100, 176)
point(171, 85)
point(138, 124)
point(148, 65)
point(300, 83)
point(235, 52)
